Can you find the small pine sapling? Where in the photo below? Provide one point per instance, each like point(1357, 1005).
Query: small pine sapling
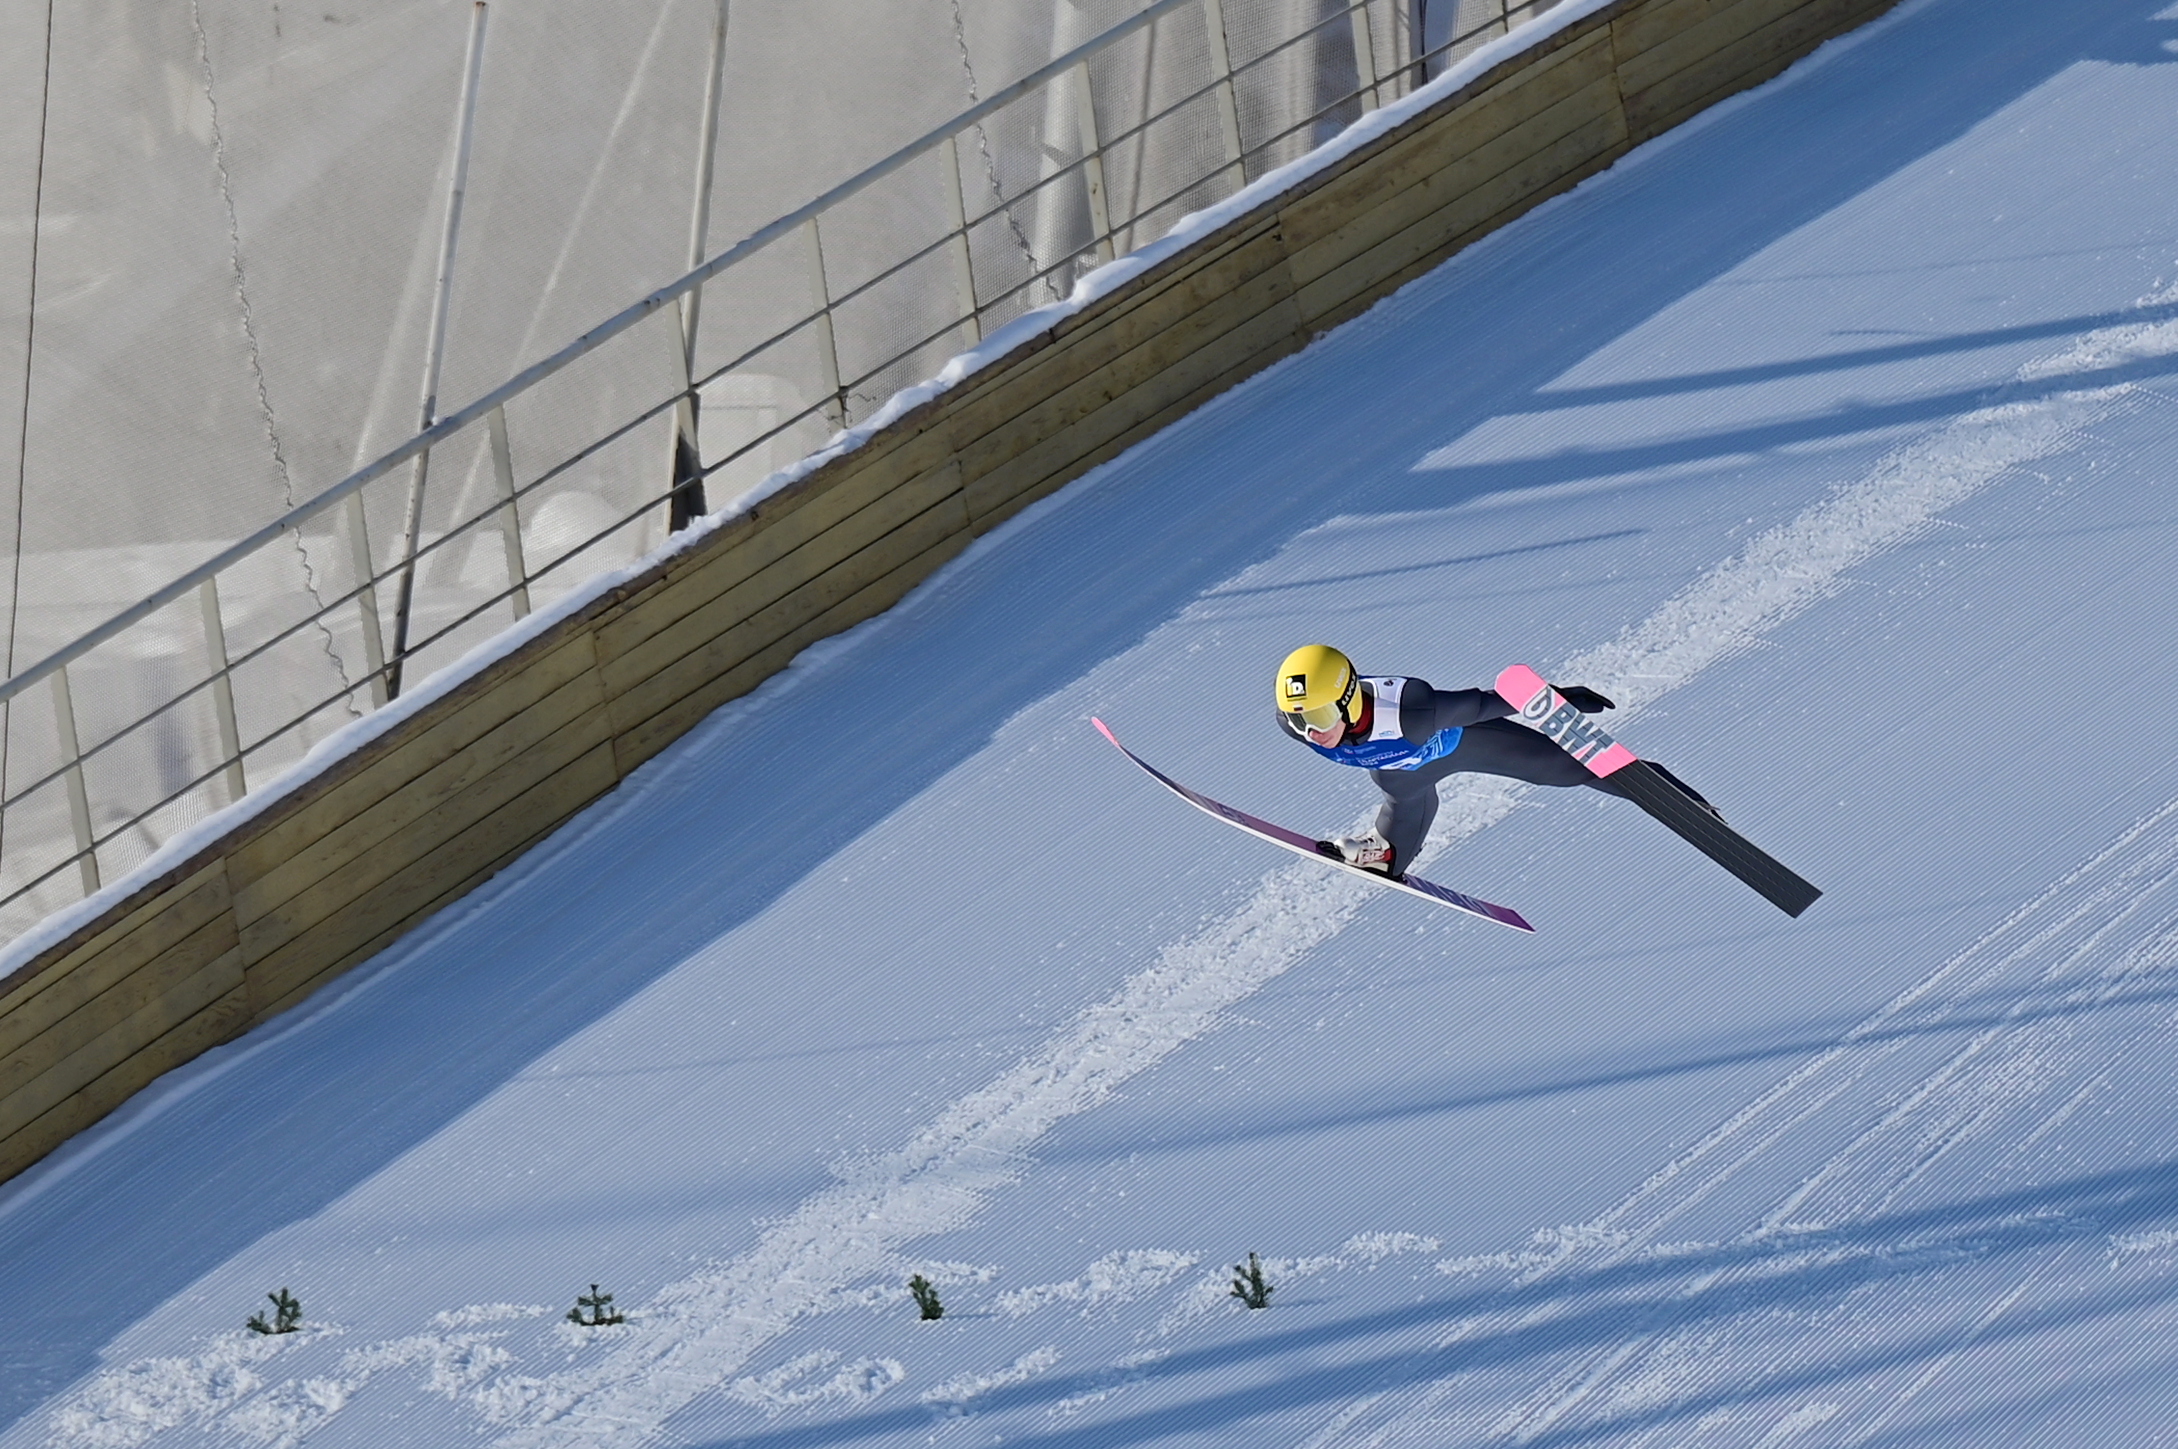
point(601, 1310)
point(926, 1296)
point(1249, 1286)
point(286, 1315)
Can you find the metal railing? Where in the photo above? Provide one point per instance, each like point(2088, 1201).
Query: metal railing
point(1208, 134)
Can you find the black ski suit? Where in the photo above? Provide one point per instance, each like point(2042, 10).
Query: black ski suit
point(1490, 743)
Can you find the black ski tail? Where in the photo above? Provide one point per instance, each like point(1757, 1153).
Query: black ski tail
point(1701, 828)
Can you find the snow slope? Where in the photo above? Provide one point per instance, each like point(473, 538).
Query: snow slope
point(1827, 435)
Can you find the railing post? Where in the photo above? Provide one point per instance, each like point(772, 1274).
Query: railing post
point(79, 798)
point(1141, 137)
point(827, 342)
point(510, 518)
point(230, 733)
point(1092, 163)
point(1221, 60)
point(435, 352)
point(964, 265)
point(1364, 56)
point(687, 503)
point(366, 599)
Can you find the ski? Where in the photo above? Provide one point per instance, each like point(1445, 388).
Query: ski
point(1301, 844)
point(1543, 708)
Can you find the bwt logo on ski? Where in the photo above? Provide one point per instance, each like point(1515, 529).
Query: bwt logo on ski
point(1565, 724)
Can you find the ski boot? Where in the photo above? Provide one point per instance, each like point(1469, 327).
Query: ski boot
point(1368, 850)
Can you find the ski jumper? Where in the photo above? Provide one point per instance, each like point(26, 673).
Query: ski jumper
point(1411, 736)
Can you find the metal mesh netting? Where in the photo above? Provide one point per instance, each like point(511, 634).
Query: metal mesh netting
point(220, 234)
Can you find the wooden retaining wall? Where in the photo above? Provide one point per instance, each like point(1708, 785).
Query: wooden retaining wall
point(348, 862)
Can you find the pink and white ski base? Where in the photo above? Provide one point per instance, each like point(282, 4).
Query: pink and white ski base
point(1300, 844)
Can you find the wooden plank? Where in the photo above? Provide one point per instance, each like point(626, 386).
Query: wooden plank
point(661, 652)
point(1428, 261)
point(409, 751)
point(1151, 289)
point(663, 708)
point(1050, 371)
point(645, 738)
point(281, 920)
point(1512, 153)
point(424, 883)
point(1152, 352)
point(1651, 23)
point(112, 956)
point(790, 519)
point(1244, 365)
point(887, 589)
point(223, 1020)
point(1754, 59)
point(298, 985)
point(873, 598)
point(89, 1043)
point(1699, 44)
point(1423, 157)
point(1269, 334)
point(1580, 152)
point(1530, 58)
point(97, 937)
point(98, 1014)
point(416, 809)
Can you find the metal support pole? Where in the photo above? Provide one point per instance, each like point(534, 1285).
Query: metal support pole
point(435, 354)
point(1092, 163)
point(684, 505)
point(1364, 56)
point(687, 501)
point(366, 599)
point(827, 341)
point(1221, 62)
point(964, 265)
point(79, 798)
point(510, 517)
point(230, 733)
point(1141, 139)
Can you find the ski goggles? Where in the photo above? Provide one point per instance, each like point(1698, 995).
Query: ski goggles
point(1325, 716)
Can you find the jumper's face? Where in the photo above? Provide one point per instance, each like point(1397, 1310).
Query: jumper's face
point(1328, 737)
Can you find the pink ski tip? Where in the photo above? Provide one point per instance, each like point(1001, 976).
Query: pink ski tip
point(1104, 729)
point(1519, 684)
point(1617, 757)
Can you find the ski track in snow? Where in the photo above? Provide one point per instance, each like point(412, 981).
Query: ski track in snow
point(2020, 996)
point(697, 1335)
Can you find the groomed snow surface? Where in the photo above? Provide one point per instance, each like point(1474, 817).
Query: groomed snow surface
point(1832, 436)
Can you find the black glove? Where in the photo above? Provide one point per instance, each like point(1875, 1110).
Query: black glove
point(1584, 699)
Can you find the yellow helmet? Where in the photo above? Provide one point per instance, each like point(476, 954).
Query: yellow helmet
point(1318, 684)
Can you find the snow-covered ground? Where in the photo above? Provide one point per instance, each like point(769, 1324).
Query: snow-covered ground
point(1831, 436)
